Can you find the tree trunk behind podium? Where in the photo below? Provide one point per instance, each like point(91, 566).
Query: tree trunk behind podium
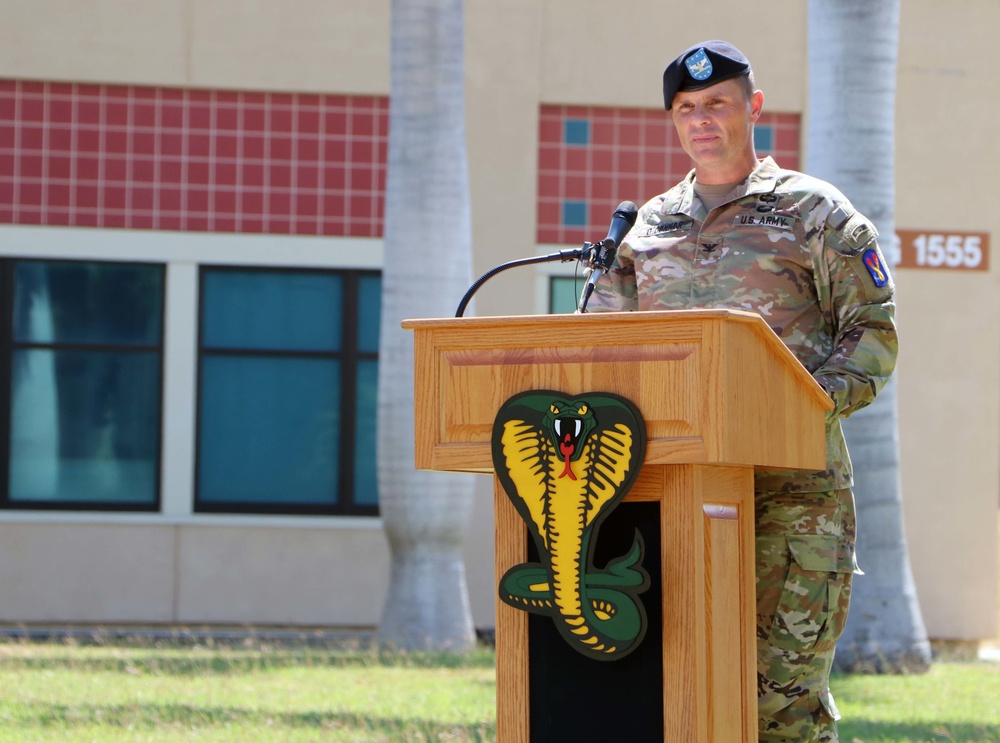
point(427, 268)
point(853, 49)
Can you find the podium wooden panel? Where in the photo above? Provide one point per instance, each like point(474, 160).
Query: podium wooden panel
point(720, 395)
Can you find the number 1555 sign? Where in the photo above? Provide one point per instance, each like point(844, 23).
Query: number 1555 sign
point(969, 251)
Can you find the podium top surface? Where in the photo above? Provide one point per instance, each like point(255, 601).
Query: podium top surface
point(715, 386)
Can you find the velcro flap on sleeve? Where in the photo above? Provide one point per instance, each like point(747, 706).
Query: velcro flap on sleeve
point(853, 235)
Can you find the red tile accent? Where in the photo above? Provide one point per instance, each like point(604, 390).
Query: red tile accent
point(307, 151)
point(603, 159)
point(335, 178)
point(197, 224)
point(363, 181)
point(199, 173)
point(279, 202)
point(164, 158)
point(30, 197)
point(306, 176)
point(170, 200)
point(87, 197)
point(32, 138)
point(253, 147)
point(60, 139)
point(226, 202)
point(549, 158)
point(575, 159)
point(630, 162)
point(115, 198)
point(307, 208)
point(171, 172)
point(60, 167)
point(602, 132)
point(86, 219)
point(90, 141)
point(634, 154)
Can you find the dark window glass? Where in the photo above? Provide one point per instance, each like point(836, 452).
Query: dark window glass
point(106, 304)
point(253, 309)
point(370, 313)
point(576, 131)
point(288, 375)
point(574, 214)
point(269, 429)
point(564, 294)
point(763, 137)
point(365, 485)
point(84, 359)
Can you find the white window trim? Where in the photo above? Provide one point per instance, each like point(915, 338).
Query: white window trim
point(182, 253)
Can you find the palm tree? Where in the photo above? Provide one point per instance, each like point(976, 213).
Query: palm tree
point(427, 268)
point(853, 50)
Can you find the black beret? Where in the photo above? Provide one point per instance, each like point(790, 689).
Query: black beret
point(701, 66)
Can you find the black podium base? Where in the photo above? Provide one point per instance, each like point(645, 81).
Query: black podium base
point(573, 697)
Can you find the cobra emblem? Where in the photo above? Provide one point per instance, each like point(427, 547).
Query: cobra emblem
point(566, 462)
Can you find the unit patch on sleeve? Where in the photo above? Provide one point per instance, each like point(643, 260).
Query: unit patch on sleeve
point(873, 262)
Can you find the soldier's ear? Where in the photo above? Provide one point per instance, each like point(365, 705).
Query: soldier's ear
point(756, 104)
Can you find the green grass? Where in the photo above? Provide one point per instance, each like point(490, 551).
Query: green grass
point(954, 702)
point(160, 692)
point(64, 693)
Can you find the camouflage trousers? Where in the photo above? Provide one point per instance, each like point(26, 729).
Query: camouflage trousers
point(805, 562)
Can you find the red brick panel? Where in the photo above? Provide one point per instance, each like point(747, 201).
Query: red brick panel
point(201, 160)
point(631, 154)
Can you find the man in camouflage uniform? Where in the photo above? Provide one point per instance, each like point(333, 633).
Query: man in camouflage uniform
point(742, 233)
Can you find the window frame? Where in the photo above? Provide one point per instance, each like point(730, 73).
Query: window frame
point(349, 356)
point(8, 346)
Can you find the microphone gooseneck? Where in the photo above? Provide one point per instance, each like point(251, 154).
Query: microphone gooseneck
point(598, 257)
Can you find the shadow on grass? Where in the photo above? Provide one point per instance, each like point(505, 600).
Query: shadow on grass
point(859, 731)
point(214, 662)
point(149, 716)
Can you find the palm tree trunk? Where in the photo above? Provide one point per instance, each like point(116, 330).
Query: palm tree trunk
point(853, 51)
point(427, 268)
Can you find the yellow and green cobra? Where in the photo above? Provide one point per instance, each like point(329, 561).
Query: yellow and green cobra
point(566, 462)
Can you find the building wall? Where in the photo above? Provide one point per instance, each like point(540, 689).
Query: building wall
point(949, 368)
point(521, 55)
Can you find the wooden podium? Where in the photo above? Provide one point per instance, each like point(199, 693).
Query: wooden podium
point(720, 395)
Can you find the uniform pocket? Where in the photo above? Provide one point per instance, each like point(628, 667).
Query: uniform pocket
point(807, 616)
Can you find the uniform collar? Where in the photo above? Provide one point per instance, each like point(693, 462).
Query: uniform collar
point(682, 200)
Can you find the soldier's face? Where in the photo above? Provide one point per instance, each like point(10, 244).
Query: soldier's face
point(715, 126)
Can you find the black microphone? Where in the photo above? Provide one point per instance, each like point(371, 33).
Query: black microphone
point(621, 223)
point(601, 256)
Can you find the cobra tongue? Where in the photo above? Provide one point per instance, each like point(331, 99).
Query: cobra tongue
point(566, 448)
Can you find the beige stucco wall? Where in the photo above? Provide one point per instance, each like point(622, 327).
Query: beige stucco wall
point(521, 53)
point(949, 368)
point(302, 45)
point(191, 574)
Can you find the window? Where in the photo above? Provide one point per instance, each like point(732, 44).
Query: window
point(82, 357)
point(763, 137)
point(574, 214)
point(576, 131)
point(288, 373)
point(564, 294)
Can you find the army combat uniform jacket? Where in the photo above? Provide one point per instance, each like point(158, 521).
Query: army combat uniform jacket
point(794, 250)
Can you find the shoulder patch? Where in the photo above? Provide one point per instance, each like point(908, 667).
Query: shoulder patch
point(876, 267)
point(872, 278)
